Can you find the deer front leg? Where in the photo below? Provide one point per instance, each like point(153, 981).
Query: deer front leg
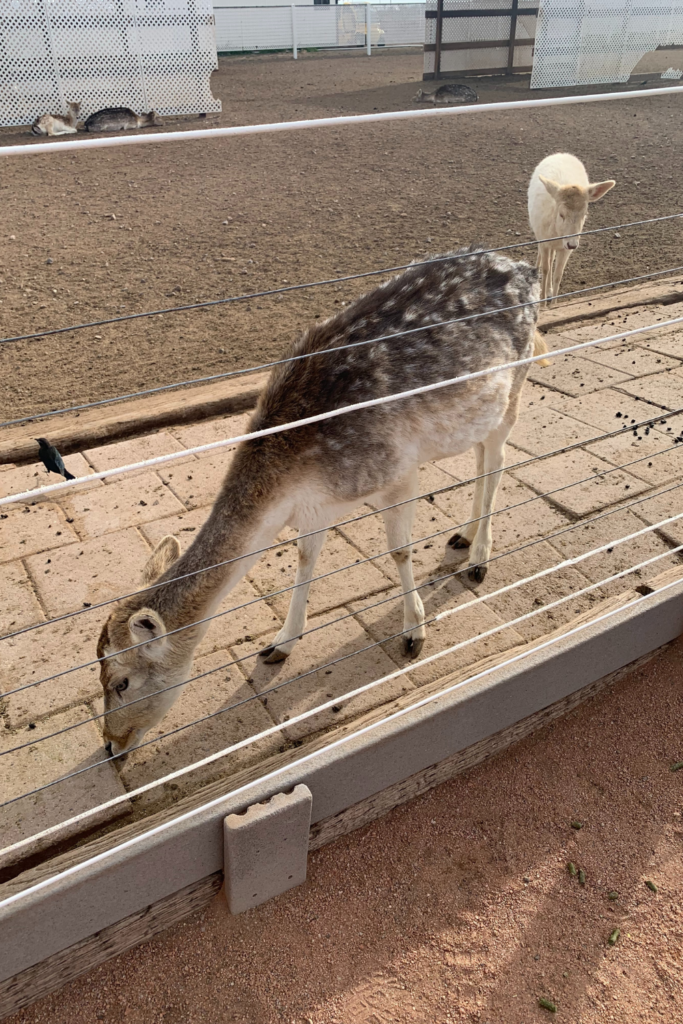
point(398, 523)
point(308, 549)
point(468, 532)
point(546, 256)
point(560, 263)
point(494, 462)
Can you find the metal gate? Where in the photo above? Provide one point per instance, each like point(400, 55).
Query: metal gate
point(478, 37)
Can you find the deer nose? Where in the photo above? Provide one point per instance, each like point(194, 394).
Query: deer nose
point(572, 245)
point(107, 747)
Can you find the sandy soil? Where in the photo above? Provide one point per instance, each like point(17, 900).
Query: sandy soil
point(458, 906)
point(299, 207)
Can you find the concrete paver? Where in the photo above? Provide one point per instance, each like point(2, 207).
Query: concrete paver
point(634, 360)
point(44, 761)
point(55, 647)
point(338, 640)
point(663, 389)
point(575, 375)
point(583, 498)
point(85, 573)
point(121, 504)
point(28, 478)
point(198, 483)
point(660, 459)
point(125, 453)
point(608, 410)
point(18, 604)
point(386, 620)
point(26, 529)
point(547, 429)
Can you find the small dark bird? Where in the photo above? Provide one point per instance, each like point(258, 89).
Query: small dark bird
point(52, 460)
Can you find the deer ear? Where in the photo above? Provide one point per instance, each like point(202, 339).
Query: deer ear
point(599, 190)
point(551, 186)
point(164, 555)
point(145, 625)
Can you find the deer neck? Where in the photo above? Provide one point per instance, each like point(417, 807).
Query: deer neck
point(245, 518)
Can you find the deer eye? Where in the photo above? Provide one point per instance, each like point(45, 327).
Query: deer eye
point(120, 687)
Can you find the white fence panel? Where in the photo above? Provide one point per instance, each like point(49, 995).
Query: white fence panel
point(318, 26)
point(587, 42)
point(105, 53)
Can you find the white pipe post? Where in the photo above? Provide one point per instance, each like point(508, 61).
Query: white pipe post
point(368, 28)
point(294, 50)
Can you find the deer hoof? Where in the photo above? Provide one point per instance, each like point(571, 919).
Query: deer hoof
point(458, 541)
point(412, 647)
point(271, 655)
point(476, 573)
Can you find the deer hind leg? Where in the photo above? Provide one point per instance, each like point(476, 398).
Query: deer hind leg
point(494, 463)
point(561, 259)
point(398, 523)
point(468, 532)
point(308, 549)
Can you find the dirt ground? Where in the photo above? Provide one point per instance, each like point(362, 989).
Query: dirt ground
point(457, 907)
point(205, 220)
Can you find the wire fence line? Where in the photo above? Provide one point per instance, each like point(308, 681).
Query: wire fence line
point(307, 355)
point(558, 567)
point(332, 413)
point(334, 701)
point(649, 422)
point(333, 572)
point(208, 134)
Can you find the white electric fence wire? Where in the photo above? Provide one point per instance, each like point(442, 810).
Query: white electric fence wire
point(208, 134)
point(395, 716)
point(351, 565)
point(661, 416)
point(329, 414)
point(567, 563)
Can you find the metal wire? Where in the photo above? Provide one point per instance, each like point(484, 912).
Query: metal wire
point(330, 414)
point(650, 422)
point(315, 284)
point(333, 572)
point(348, 696)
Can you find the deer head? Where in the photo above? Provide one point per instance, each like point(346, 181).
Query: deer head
point(571, 207)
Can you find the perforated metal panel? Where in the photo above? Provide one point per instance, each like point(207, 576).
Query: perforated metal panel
point(144, 54)
point(589, 42)
point(321, 26)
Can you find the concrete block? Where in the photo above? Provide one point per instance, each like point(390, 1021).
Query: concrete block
point(662, 389)
point(45, 761)
point(185, 526)
point(127, 502)
point(124, 453)
point(277, 569)
point(582, 498)
point(306, 679)
point(18, 604)
point(198, 483)
point(54, 647)
point(633, 359)
point(619, 523)
point(89, 571)
point(658, 465)
point(25, 478)
point(574, 375)
point(600, 409)
point(545, 429)
point(386, 621)
point(266, 849)
point(25, 529)
point(208, 431)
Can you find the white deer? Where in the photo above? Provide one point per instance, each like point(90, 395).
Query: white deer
point(309, 476)
point(559, 194)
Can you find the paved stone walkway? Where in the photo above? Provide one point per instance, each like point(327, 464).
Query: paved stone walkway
point(88, 545)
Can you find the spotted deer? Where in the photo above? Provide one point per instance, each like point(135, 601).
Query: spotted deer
point(309, 476)
point(558, 197)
